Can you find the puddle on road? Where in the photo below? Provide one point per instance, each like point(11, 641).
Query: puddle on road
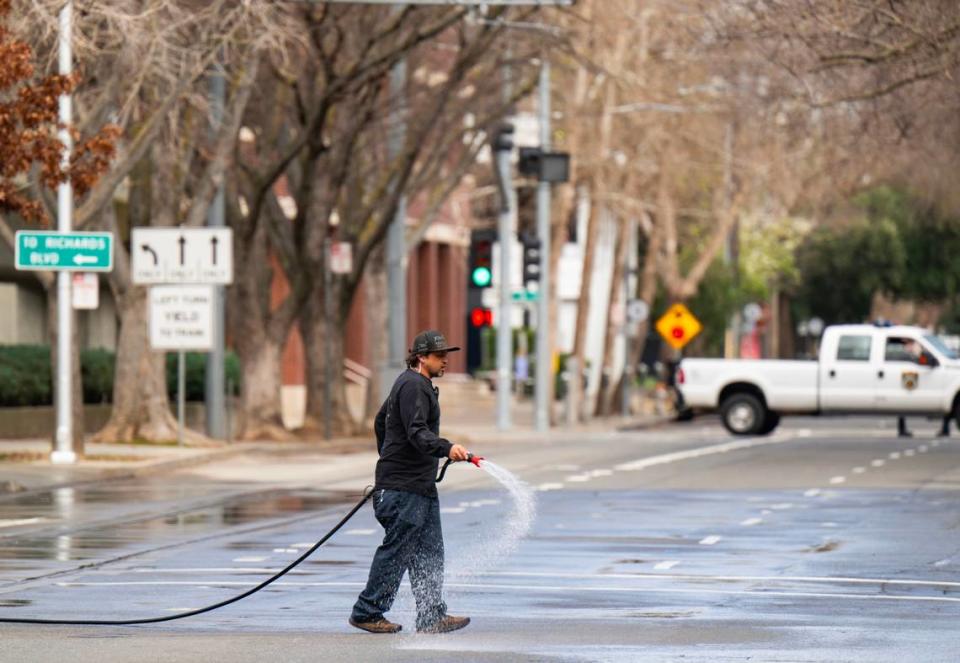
point(240, 510)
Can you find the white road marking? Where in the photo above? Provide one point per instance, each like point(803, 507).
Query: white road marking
point(859, 470)
point(804, 432)
point(894, 455)
point(813, 492)
point(781, 506)
point(578, 478)
point(14, 522)
point(906, 582)
point(452, 509)
point(909, 452)
point(829, 580)
point(666, 566)
point(879, 462)
point(710, 540)
point(837, 480)
point(664, 459)
point(750, 522)
point(552, 588)
point(922, 448)
point(544, 487)
point(601, 473)
point(828, 524)
point(302, 546)
point(360, 532)
point(239, 560)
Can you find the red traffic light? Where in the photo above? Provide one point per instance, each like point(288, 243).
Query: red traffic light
point(481, 317)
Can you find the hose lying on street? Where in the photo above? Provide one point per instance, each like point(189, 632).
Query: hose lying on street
point(367, 494)
point(199, 611)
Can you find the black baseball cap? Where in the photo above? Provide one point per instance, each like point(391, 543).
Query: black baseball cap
point(430, 341)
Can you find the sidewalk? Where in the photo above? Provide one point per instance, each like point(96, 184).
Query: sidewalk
point(469, 418)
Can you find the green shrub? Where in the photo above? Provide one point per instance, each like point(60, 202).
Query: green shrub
point(195, 374)
point(96, 373)
point(25, 375)
point(26, 380)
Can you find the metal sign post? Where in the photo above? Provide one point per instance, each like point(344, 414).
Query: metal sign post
point(63, 440)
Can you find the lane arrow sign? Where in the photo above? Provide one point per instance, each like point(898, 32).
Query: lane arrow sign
point(146, 247)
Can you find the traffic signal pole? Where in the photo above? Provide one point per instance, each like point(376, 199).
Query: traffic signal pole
point(544, 350)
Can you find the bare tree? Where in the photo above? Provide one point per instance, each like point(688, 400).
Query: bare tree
point(144, 67)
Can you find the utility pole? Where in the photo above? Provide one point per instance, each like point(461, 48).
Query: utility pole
point(214, 378)
point(544, 351)
point(63, 442)
point(502, 147)
point(732, 247)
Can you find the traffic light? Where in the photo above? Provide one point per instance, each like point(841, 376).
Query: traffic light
point(531, 259)
point(481, 317)
point(551, 167)
point(481, 259)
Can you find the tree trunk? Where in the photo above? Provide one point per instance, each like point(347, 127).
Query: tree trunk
point(375, 284)
point(617, 296)
point(648, 290)
point(575, 412)
point(259, 334)
point(323, 342)
point(260, 403)
point(141, 409)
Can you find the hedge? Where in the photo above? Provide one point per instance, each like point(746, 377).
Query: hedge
point(25, 375)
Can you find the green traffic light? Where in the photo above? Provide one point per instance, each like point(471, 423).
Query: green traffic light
point(481, 277)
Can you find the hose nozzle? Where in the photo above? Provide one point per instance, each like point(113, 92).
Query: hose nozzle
point(474, 459)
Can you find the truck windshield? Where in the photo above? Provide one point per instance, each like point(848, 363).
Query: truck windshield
point(940, 346)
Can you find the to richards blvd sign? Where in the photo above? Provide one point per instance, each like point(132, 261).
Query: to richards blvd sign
point(74, 251)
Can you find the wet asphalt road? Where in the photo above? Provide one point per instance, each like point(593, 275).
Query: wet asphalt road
point(827, 541)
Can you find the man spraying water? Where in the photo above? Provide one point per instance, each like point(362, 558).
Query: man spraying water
point(405, 497)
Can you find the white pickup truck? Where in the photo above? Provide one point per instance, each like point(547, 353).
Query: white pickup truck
point(862, 369)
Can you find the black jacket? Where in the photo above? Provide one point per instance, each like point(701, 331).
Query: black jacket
point(408, 437)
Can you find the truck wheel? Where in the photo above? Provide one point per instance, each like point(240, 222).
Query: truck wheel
point(770, 423)
point(743, 414)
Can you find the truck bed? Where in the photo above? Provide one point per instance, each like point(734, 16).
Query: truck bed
point(790, 385)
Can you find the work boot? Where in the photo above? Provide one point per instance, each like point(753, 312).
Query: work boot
point(377, 626)
point(446, 624)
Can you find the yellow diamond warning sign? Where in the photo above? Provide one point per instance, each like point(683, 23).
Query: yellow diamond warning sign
point(678, 326)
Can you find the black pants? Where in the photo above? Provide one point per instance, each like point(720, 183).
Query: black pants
point(412, 542)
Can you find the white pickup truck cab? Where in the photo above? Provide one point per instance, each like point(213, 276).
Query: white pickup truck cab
point(862, 369)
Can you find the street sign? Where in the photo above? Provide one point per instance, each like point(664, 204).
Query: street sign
point(524, 296)
point(341, 258)
point(182, 255)
point(85, 291)
point(637, 310)
point(181, 317)
point(678, 326)
point(43, 250)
